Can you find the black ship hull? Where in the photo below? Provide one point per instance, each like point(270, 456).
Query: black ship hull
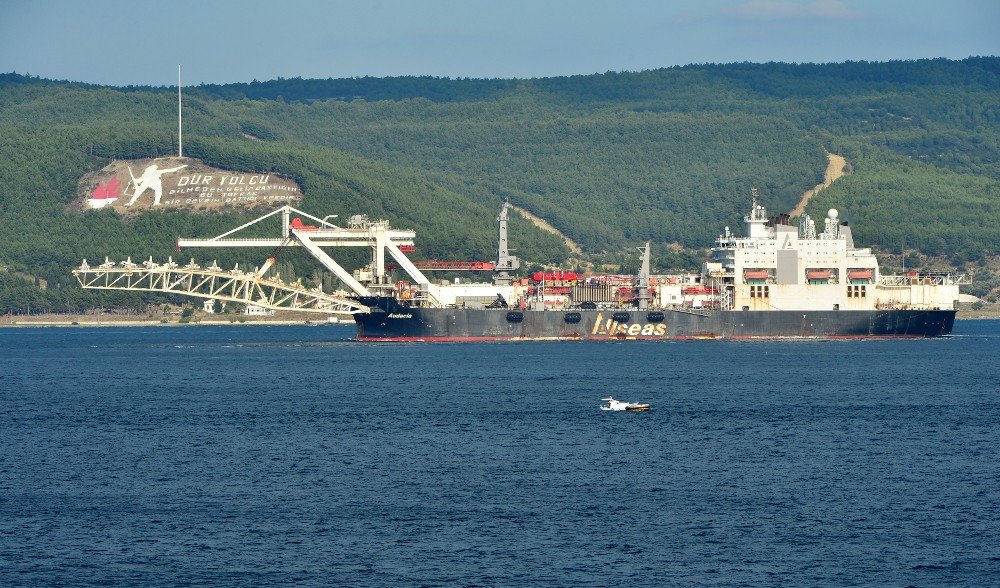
point(391, 321)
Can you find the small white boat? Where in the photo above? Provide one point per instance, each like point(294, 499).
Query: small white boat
point(610, 403)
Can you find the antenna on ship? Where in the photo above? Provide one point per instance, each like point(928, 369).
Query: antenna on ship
point(180, 126)
point(902, 252)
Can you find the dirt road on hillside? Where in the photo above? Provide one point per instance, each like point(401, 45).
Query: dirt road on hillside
point(834, 171)
point(542, 224)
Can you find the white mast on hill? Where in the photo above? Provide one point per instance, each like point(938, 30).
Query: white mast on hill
point(180, 128)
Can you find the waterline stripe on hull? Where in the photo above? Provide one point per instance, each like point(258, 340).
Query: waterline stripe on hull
point(436, 339)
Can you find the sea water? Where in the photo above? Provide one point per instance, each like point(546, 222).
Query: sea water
point(293, 455)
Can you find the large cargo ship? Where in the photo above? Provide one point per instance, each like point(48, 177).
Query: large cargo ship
point(777, 280)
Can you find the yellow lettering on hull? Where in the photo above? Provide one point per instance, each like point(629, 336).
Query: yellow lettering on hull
point(613, 329)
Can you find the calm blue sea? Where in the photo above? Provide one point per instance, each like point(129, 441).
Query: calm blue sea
point(292, 455)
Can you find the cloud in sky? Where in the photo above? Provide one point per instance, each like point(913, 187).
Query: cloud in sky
point(767, 10)
point(776, 11)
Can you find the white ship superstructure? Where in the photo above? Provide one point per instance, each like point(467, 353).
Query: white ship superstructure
point(778, 266)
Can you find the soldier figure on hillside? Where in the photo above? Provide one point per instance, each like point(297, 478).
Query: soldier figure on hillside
point(151, 179)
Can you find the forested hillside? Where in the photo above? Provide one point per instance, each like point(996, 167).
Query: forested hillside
point(610, 160)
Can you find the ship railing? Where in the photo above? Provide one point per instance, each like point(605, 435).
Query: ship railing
point(420, 294)
point(896, 305)
point(924, 279)
point(733, 243)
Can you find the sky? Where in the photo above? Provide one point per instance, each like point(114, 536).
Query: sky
point(138, 42)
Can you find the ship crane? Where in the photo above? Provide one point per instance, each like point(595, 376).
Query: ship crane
point(506, 263)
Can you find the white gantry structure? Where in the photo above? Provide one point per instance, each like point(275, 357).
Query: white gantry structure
point(377, 236)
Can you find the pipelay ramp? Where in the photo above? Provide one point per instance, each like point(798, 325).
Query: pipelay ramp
point(213, 282)
point(252, 287)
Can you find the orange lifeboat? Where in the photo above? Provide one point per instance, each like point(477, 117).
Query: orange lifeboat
point(299, 225)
